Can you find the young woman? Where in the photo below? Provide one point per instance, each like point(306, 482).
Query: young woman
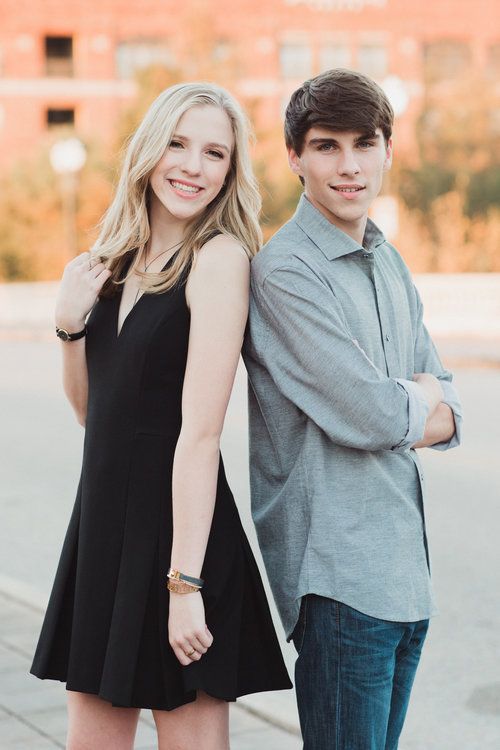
point(150, 375)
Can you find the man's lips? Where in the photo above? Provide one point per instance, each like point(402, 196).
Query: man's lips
point(348, 188)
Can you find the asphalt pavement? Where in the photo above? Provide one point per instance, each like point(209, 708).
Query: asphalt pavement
point(456, 699)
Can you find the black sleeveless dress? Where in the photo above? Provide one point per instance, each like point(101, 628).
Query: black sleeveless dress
point(106, 627)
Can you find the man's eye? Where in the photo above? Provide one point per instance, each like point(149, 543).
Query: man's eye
point(325, 147)
point(365, 144)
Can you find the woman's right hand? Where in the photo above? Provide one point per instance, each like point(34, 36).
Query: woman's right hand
point(81, 283)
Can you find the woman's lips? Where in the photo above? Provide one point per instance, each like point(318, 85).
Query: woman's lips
point(185, 189)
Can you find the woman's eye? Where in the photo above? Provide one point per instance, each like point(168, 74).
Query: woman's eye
point(175, 144)
point(216, 154)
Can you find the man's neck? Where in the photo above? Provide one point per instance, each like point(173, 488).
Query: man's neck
point(354, 229)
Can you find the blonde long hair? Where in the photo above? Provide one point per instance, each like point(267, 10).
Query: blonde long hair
point(125, 228)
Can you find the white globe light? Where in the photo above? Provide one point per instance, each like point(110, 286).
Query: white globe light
point(397, 94)
point(68, 156)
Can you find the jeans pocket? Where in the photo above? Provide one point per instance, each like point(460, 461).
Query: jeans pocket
point(299, 630)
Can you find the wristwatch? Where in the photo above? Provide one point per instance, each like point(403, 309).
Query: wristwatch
point(64, 335)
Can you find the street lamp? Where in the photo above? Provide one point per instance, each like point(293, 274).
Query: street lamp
point(67, 158)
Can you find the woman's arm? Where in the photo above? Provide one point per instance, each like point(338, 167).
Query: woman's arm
point(217, 295)
point(81, 283)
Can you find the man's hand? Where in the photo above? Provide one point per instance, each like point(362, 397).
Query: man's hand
point(431, 388)
point(439, 428)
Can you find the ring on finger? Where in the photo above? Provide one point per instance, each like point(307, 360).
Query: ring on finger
point(190, 653)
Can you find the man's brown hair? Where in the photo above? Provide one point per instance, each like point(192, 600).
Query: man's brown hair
point(339, 100)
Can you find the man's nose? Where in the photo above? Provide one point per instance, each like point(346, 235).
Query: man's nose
point(347, 163)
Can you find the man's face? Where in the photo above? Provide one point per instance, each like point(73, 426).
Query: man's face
point(342, 174)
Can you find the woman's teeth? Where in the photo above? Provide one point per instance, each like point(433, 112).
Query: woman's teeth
point(185, 188)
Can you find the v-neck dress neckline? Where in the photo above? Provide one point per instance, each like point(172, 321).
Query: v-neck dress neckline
point(119, 296)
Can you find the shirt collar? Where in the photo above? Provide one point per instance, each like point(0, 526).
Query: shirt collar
point(332, 242)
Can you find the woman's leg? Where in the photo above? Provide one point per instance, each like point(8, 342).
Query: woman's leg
point(203, 724)
point(94, 724)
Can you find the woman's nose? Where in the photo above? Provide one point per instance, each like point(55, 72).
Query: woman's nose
point(191, 162)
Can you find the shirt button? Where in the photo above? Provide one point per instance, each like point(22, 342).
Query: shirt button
point(387, 337)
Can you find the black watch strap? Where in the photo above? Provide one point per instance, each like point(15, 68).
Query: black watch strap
point(64, 335)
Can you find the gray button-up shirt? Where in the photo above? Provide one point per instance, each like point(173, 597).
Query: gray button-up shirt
point(335, 336)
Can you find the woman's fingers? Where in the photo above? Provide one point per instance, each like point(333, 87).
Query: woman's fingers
point(181, 656)
point(186, 653)
point(101, 278)
point(205, 638)
point(95, 268)
point(189, 648)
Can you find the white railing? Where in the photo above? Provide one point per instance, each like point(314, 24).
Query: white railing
point(456, 305)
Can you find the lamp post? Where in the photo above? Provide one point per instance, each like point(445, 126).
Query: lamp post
point(67, 158)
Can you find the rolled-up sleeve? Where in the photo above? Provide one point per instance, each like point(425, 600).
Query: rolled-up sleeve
point(451, 398)
point(297, 326)
point(427, 360)
point(418, 411)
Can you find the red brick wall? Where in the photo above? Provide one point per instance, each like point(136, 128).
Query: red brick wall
point(254, 30)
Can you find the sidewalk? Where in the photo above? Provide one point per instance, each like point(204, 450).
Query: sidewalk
point(33, 712)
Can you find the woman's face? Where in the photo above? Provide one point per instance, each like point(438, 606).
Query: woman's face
point(194, 166)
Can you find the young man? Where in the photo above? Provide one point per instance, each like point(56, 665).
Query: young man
point(345, 383)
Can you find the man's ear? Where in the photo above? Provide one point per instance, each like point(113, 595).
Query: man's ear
point(388, 155)
point(294, 162)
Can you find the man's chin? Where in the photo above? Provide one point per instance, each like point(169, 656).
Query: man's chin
point(347, 214)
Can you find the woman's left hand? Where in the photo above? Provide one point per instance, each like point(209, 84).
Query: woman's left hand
point(187, 631)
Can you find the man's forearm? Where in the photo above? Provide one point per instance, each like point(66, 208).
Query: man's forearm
point(439, 428)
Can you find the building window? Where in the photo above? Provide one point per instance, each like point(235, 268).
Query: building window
point(58, 117)
point(372, 60)
point(334, 56)
point(59, 56)
point(135, 55)
point(295, 60)
point(446, 60)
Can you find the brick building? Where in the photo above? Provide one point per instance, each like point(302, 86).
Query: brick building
point(72, 62)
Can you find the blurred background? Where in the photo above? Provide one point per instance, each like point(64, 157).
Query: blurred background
point(90, 69)
point(75, 78)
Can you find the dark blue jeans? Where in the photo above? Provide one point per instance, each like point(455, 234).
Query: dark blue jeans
point(353, 675)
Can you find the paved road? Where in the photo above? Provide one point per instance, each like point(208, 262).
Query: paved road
point(456, 703)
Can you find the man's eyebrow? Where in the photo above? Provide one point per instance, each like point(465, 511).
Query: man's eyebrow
point(318, 141)
point(330, 140)
point(178, 137)
point(368, 137)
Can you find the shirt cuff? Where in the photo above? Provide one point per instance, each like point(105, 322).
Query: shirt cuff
point(418, 411)
point(451, 398)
